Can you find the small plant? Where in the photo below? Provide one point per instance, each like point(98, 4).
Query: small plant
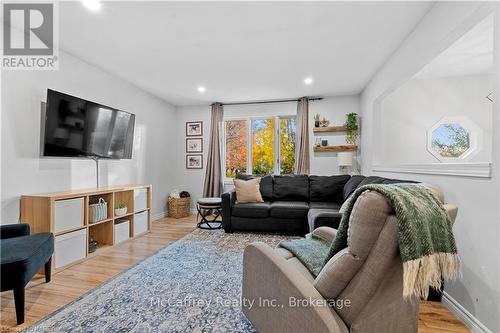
point(316, 120)
point(351, 125)
point(121, 205)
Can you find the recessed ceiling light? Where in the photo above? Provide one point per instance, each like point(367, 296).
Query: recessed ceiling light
point(201, 89)
point(93, 5)
point(308, 80)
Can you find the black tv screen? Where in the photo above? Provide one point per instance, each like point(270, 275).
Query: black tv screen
point(75, 127)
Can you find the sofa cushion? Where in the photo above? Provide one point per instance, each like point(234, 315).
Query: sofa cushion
point(247, 191)
point(269, 224)
point(299, 266)
point(318, 217)
point(266, 185)
point(327, 188)
point(325, 205)
point(351, 185)
point(255, 209)
point(289, 209)
point(291, 188)
point(368, 218)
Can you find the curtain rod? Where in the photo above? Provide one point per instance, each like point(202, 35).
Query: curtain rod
point(272, 101)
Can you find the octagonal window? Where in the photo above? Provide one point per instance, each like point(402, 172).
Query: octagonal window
point(450, 140)
point(454, 139)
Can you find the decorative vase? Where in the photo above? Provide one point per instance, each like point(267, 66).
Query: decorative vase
point(120, 211)
point(316, 124)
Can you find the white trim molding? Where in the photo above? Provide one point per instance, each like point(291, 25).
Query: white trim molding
point(158, 215)
point(465, 316)
point(481, 170)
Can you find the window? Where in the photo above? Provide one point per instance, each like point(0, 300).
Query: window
point(288, 130)
point(450, 140)
point(236, 147)
point(261, 145)
point(453, 138)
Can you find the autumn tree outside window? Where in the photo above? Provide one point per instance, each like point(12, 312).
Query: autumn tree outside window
point(262, 145)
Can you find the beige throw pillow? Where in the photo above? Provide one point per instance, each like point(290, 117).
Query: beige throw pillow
point(248, 190)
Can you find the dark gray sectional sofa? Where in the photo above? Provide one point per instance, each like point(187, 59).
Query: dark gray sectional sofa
point(294, 204)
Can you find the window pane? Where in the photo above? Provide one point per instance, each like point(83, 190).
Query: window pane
point(450, 140)
point(236, 147)
point(262, 146)
point(288, 129)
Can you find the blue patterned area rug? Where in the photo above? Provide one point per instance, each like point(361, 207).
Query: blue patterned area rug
point(192, 285)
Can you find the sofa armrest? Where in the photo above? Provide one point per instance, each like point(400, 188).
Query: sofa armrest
point(14, 230)
point(272, 290)
point(228, 200)
point(326, 233)
point(452, 210)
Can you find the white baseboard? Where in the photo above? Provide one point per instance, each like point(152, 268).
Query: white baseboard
point(164, 213)
point(159, 215)
point(465, 316)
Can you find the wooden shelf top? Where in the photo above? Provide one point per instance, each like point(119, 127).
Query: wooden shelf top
point(124, 215)
point(100, 249)
point(100, 222)
point(69, 230)
point(335, 148)
point(88, 191)
point(329, 129)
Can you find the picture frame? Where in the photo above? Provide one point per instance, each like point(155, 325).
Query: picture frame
point(194, 128)
point(194, 161)
point(194, 145)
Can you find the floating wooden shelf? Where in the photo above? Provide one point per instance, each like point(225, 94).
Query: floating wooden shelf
point(329, 129)
point(335, 148)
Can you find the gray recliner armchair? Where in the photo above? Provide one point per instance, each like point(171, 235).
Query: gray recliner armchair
point(359, 290)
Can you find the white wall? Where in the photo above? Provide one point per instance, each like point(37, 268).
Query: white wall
point(477, 228)
point(24, 172)
point(333, 108)
point(412, 109)
point(190, 180)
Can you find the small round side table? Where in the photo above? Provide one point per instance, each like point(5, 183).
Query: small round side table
point(205, 207)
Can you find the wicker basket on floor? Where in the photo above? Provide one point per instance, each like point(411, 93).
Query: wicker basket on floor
point(179, 207)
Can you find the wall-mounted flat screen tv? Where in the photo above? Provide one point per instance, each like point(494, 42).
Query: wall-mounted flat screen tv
point(75, 127)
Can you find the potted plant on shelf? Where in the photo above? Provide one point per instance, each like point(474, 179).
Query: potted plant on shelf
point(351, 125)
point(316, 120)
point(121, 209)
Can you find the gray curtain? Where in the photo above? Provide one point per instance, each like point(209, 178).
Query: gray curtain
point(213, 175)
point(302, 145)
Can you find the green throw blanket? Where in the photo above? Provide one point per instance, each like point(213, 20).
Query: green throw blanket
point(426, 243)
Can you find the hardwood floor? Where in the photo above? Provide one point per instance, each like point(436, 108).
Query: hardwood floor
point(67, 285)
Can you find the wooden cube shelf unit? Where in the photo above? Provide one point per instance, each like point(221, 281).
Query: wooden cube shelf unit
point(66, 215)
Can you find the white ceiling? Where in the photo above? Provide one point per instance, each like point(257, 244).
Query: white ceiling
point(239, 50)
point(471, 54)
